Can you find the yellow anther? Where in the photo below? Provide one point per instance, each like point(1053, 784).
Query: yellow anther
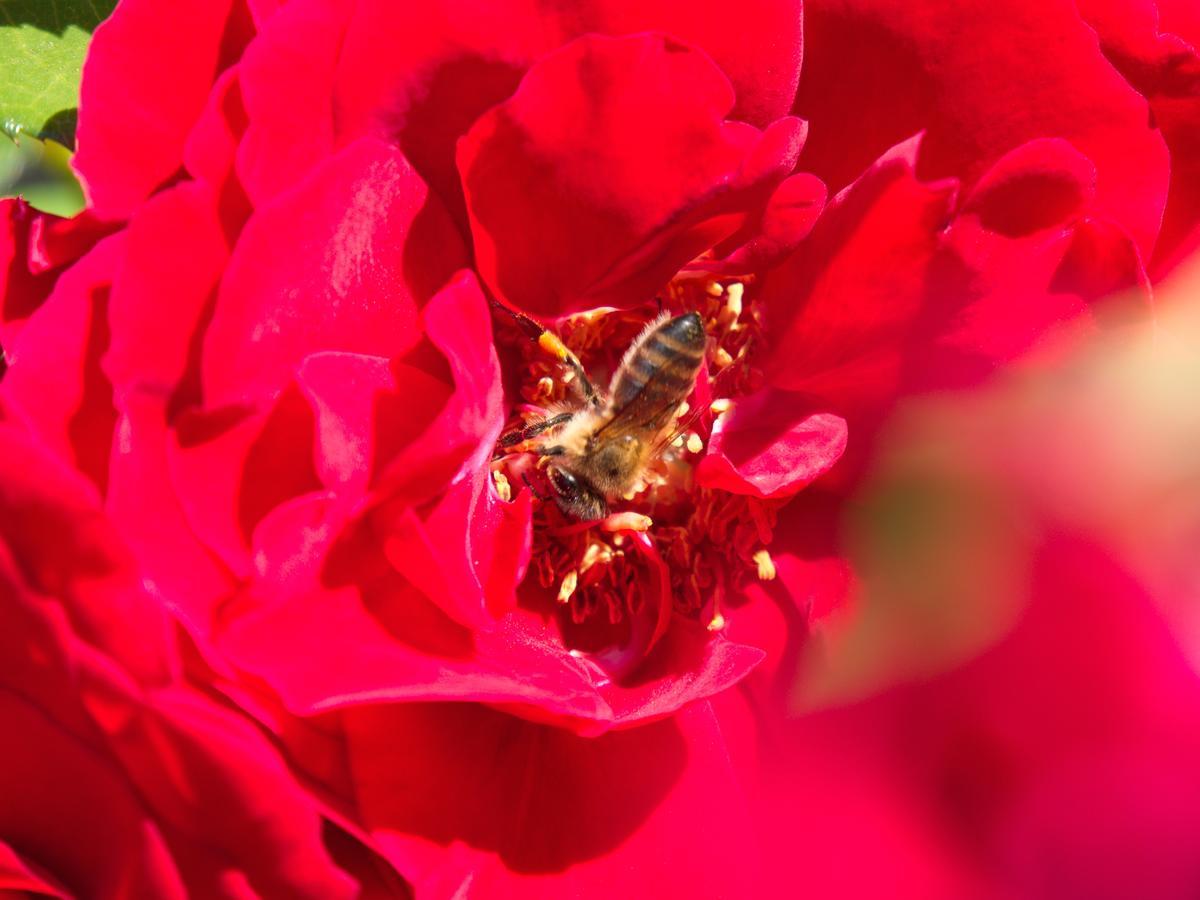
point(766, 565)
point(545, 386)
point(683, 409)
point(716, 623)
point(503, 488)
point(552, 345)
point(677, 441)
point(595, 553)
point(626, 521)
point(722, 358)
point(567, 588)
point(694, 443)
point(714, 288)
point(724, 404)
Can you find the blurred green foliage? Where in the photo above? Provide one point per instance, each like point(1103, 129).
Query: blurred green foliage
point(42, 45)
point(40, 172)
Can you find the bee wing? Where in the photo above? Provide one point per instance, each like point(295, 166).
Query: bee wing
point(682, 426)
point(685, 422)
point(644, 412)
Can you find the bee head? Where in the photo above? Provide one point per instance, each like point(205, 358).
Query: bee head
point(575, 496)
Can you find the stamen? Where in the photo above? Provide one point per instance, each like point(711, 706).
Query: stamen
point(626, 521)
point(717, 622)
point(715, 288)
point(732, 310)
point(720, 405)
point(567, 588)
point(503, 488)
point(766, 565)
point(694, 443)
point(595, 553)
point(722, 358)
point(758, 515)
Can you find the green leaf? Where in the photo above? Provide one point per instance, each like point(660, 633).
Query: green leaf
point(42, 45)
point(40, 172)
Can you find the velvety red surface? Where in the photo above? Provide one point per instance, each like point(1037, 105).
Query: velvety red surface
point(264, 605)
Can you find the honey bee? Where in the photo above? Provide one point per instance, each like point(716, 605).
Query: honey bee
point(599, 452)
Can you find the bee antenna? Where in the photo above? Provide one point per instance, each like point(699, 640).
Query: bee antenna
point(527, 324)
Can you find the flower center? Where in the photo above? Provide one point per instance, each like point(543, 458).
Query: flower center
point(670, 545)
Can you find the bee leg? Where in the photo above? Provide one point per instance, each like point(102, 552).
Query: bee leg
point(551, 344)
point(524, 434)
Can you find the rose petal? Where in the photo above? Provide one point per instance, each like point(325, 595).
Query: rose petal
point(467, 553)
point(787, 218)
point(163, 294)
point(51, 524)
point(210, 154)
point(345, 390)
point(18, 874)
point(285, 78)
point(21, 289)
point(340, 262)
point(55, 384)
point(1161, 61)
point(416, 464)
point(895, 291)
point(144, 85)
point(442, 814)
point(91, 679)
point(876, 73)
point(766, 447)
point(605, 211)
point(406, 648)
point(231, 467)
point(444, 69)
point(143, 504)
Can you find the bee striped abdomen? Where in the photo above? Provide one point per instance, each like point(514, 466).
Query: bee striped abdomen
point(661, 366)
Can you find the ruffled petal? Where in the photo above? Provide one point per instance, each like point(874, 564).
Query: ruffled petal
point(608, 170)
point(55, 383)
point(969, 76)
point(767, 447)
point(145, 83)
point(340, 262)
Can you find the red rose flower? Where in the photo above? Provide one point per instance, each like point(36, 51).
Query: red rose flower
point(269, 346)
